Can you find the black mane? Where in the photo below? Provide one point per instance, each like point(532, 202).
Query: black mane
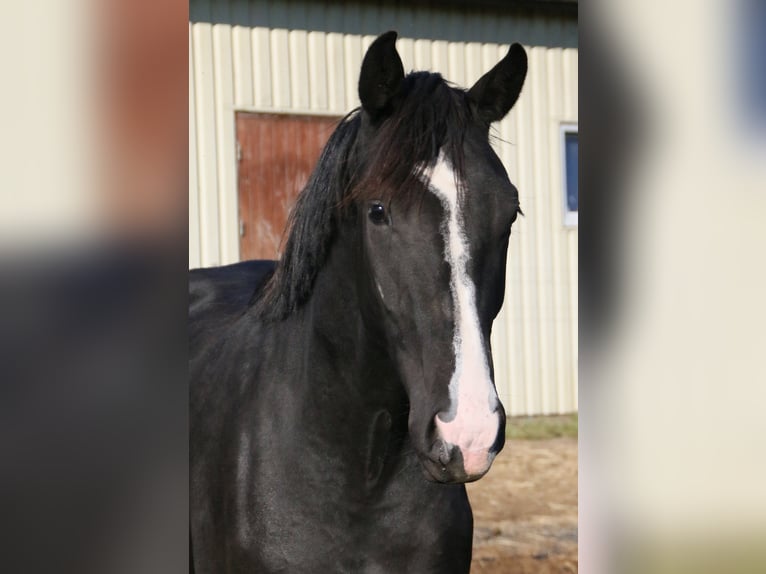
point(430, 116)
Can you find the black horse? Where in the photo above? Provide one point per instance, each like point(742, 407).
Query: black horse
point(341, 396)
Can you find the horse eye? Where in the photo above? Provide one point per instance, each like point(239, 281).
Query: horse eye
point(377, 213)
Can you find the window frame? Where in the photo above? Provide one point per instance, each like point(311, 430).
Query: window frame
point(569, 217)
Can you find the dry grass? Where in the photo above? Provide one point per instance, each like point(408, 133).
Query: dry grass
point(525, 509)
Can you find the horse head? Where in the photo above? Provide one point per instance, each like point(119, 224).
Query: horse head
point(434, 206)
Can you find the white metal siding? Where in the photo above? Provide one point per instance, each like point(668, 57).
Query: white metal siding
point(299, 57)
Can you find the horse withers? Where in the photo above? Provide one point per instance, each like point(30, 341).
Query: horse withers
point(343, 395)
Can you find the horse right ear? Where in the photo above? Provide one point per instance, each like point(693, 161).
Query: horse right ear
point(497, 90)
point(381, 76)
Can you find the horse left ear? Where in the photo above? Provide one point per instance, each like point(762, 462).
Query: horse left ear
point(381, 76)
point(497, 90)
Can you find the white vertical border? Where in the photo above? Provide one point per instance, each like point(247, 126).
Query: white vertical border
point(570, 217)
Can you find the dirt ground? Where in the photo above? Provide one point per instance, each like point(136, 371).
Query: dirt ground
point(525, 510)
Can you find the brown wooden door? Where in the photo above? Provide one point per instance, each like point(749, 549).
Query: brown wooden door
point(277, 153)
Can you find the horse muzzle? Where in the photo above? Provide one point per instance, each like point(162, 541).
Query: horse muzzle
point(463, 451)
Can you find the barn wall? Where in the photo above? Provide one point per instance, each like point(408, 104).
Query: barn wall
point(299, 57)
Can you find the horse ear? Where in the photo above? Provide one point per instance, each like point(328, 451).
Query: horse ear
point(382, 74)
point(497, 90)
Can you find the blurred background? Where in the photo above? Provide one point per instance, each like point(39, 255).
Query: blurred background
point(93, 187)
point(672, 376)
point(109, 118)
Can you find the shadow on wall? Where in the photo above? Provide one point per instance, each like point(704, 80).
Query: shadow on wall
point(451, 21)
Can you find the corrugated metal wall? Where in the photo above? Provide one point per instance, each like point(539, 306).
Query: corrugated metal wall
point(304, 58)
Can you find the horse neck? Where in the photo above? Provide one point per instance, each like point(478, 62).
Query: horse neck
point(346, 399)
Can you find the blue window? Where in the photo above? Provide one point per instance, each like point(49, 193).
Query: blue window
point(753, 68)
point(570, 153)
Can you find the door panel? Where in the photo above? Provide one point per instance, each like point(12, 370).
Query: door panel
point(277, 153)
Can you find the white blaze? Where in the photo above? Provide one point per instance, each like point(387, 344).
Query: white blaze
point(473, 399)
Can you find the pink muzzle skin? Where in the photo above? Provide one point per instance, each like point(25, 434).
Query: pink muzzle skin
point(474, 437)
